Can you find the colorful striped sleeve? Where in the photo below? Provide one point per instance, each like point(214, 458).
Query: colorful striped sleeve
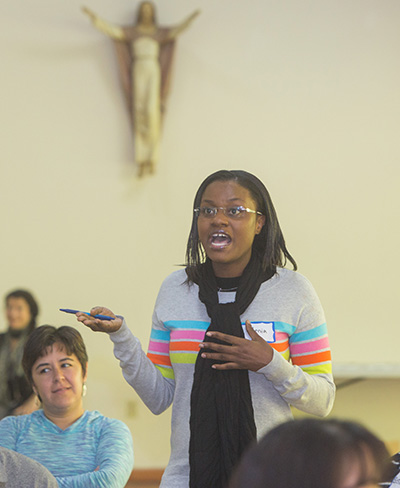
point(178, 344)
point(158, 352)
point(186, 336)
point(310, 350)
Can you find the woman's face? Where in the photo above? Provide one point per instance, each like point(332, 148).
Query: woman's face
point(18, 313)
point(58, 380)
point(227, 241)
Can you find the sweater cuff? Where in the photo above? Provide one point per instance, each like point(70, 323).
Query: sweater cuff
point(121, 334)
point(278, 370)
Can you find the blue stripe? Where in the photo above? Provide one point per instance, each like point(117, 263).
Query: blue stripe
point(159, 335)
point(186, 324)
point(307, 335)
point(284, 327)
point(200, 325)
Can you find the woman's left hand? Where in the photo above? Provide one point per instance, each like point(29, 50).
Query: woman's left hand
point(240, 353)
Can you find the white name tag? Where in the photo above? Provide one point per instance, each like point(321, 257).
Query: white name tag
point(264, 329)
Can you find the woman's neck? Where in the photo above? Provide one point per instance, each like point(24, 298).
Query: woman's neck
point(227, 284)
point(229, 270)
point(63, 419)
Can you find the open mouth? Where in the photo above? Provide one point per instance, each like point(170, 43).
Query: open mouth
point(219, 240)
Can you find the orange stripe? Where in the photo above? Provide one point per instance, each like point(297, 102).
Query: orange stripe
point(158, 359)
point(318, 357)
point(184, 346)
point(280, 347)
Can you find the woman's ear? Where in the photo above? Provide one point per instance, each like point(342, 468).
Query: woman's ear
point(260, 223)
point(35, 391)
point(84, 378)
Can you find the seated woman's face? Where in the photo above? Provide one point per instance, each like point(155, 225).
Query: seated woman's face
point(18, 313)
point(58, 380)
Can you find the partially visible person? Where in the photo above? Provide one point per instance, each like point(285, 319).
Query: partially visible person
point(81, 449)
point(16, 395)
point(314, 453)
point(19, 471)
point(393, 479)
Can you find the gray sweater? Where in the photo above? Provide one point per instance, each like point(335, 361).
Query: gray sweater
point(298, 375)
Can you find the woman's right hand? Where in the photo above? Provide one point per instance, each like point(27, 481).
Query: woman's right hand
point(100, 325)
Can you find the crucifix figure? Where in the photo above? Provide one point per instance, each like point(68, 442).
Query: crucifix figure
point(145, 52)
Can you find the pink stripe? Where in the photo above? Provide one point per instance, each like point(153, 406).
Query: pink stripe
point(160, 347)
point(281, 336)
point(187, 335)
point(310, 346)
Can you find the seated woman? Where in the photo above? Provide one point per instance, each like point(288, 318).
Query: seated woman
point(16, 396)
point(314, 453)
point(81, 449)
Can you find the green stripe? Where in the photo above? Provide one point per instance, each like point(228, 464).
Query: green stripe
point(285, 354)
point(166, 372)
point(320, 369)
point(183, 357)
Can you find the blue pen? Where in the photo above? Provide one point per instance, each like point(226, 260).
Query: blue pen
point(101, 317)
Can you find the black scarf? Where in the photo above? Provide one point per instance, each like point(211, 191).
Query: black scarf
point(222, 418)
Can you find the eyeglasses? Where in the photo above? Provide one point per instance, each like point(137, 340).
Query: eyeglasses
point(234, 213)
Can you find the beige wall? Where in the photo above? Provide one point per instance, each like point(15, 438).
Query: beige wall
point(304, 94)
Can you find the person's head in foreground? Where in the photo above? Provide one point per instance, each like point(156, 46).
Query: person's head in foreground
point(314, 453)
point(55, 363)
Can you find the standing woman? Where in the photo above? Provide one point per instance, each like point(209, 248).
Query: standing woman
point(237, 339)
point(16, 395)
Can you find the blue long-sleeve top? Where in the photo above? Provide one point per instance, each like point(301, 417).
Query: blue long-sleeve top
point(93, 452)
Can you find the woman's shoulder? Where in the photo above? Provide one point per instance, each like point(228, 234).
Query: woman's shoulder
point(174, 282)
point(103, 423)
point(94, 416)
point(290, 285)
point(176, 278)
point(289, 277)
point(175, 288)
point(20, 422)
